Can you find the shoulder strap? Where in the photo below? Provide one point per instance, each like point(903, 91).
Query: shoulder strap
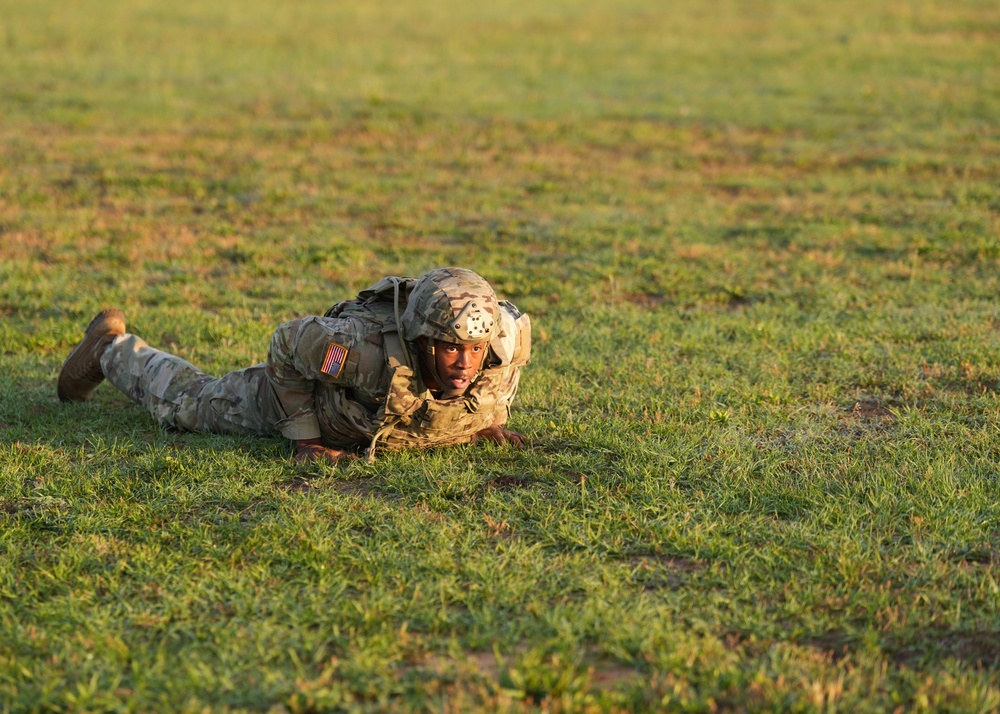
point(395, 353)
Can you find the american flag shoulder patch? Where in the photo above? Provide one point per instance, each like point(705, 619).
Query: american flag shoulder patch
point(333, 363)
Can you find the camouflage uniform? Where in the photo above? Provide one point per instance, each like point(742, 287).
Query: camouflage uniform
point(177, 394)
point(348, 377)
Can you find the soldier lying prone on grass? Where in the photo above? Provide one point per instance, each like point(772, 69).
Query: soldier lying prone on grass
point(407, 364)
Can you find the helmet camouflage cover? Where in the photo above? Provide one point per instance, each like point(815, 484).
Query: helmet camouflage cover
point(452, 305)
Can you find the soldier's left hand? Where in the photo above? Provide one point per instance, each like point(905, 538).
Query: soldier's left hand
point(499, 435)
point(313, 450)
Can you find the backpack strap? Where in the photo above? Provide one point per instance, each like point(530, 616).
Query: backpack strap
point(395, 353)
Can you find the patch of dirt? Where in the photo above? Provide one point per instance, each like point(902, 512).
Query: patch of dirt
point(977, 556)
point(12, 507)
point(871, 410)
point(654, 572)
point(364, 487)
point(297, 485)
point(735, 302)
point(834, 645)
point(505, 482)
point(979, 648)
point(745, 644)
point(604, 674)
point(965, 377)
point(649, 302)
point(34, 448)
point(485, 663)
point(864, 417)
point(607, 676)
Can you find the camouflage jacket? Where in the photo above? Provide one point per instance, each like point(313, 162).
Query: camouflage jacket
point(349, 378)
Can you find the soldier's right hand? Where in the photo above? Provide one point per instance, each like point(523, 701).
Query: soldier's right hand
point(307, 450)
point(499, 435)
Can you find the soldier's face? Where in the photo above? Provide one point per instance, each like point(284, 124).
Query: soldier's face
point(457, 365)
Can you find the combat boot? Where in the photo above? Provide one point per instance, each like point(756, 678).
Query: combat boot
point(81, 372)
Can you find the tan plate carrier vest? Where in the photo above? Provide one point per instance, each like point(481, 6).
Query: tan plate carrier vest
point(411, 417)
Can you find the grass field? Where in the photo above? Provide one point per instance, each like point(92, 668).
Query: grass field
point(759, 242)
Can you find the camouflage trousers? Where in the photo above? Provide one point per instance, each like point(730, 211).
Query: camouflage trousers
point(177, 394)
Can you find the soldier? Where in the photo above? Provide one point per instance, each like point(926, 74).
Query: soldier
point(407, 364)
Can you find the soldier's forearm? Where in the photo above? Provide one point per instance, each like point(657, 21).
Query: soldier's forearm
point(299, 416)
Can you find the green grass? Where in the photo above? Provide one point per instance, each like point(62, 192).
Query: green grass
point(759, 243)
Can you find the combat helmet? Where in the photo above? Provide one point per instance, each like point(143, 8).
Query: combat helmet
point(451, 305)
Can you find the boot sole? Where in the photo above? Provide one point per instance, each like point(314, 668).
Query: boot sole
point(81, 372)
